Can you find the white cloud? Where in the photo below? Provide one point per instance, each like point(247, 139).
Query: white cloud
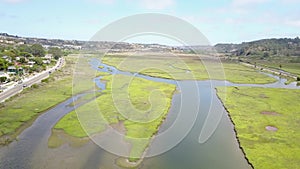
point(12, 1)
point(295, 23)
point(290, 1)
point(103, 1)
point(157, 4)
point(242, 7)
point(243, 3)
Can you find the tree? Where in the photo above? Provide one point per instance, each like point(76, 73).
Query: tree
point(24, 48)
point(266, 54)
point(37, 50)
point(26, 54)
point(56, 52)
point(9, 53)
point(35, 68)
point(38, 61)
point(3, 79)
point(23, 60)
point(3, 64)
point(2, 48)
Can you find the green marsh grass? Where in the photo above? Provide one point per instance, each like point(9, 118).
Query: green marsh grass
point(187, 68)
point(148, 113)
point(252, 111)
point(20, 111)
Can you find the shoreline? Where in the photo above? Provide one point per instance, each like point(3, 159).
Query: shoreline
point(194, 79)
point(130, 164)
point(235, 131)
point(6, 139)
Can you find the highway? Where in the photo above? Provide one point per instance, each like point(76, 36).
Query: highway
point(29, 82)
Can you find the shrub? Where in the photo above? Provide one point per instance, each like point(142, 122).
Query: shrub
point(35, 86)
point(45, 80)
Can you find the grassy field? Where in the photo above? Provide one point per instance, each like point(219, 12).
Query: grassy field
point(20, 111)
point(137, 105)
point(291, 67)
point(267, 125)
point(186, 68)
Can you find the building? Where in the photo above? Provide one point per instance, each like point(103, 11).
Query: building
point(7, 58)
point(46, 61)
point(31, 63)
point(48, 56)
point(20, 71)
point(11, 70)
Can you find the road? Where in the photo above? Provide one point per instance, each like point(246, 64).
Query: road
point(29, 82)
point(276, 72)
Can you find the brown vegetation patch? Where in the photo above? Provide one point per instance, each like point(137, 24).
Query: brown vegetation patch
point(263, 96)
point(269, 113)
point(119, 127)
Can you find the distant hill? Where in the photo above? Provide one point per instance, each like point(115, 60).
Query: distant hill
point(263, 48)
point(260, 48)
point(12, 40)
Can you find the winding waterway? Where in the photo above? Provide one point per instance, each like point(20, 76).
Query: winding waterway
point(221, 150)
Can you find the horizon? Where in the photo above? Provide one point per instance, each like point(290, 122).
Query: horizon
point(150, 43)
point(226, 21)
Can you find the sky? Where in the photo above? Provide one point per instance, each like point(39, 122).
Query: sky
point(221, 21)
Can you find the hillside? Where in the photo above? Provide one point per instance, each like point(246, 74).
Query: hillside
point(265, 48)
point(13, 40)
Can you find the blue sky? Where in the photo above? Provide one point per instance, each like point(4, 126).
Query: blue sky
point(230, 21)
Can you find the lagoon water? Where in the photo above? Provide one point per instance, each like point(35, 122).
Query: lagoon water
point(218, 148)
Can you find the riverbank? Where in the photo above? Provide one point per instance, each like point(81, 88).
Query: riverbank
point(187, 68)
point(277, 71)
point(234, 128)
point(20, 111)
point(127, 92)
point(141, 115)
point(107, 109)
point(253, 111)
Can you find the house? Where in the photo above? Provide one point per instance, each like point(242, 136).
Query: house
point(7, 58)
point(18, 64)
point(46, 61)
point(20, 71)
point(31, 63)
point(11, 70)
point(48, 57)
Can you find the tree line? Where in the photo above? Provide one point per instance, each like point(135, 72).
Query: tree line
point(25, 52)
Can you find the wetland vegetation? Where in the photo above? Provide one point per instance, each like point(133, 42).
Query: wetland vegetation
point(267, 124)
point(265, 119)
point(139, 122)
point(187, 67)
point(19, 112)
